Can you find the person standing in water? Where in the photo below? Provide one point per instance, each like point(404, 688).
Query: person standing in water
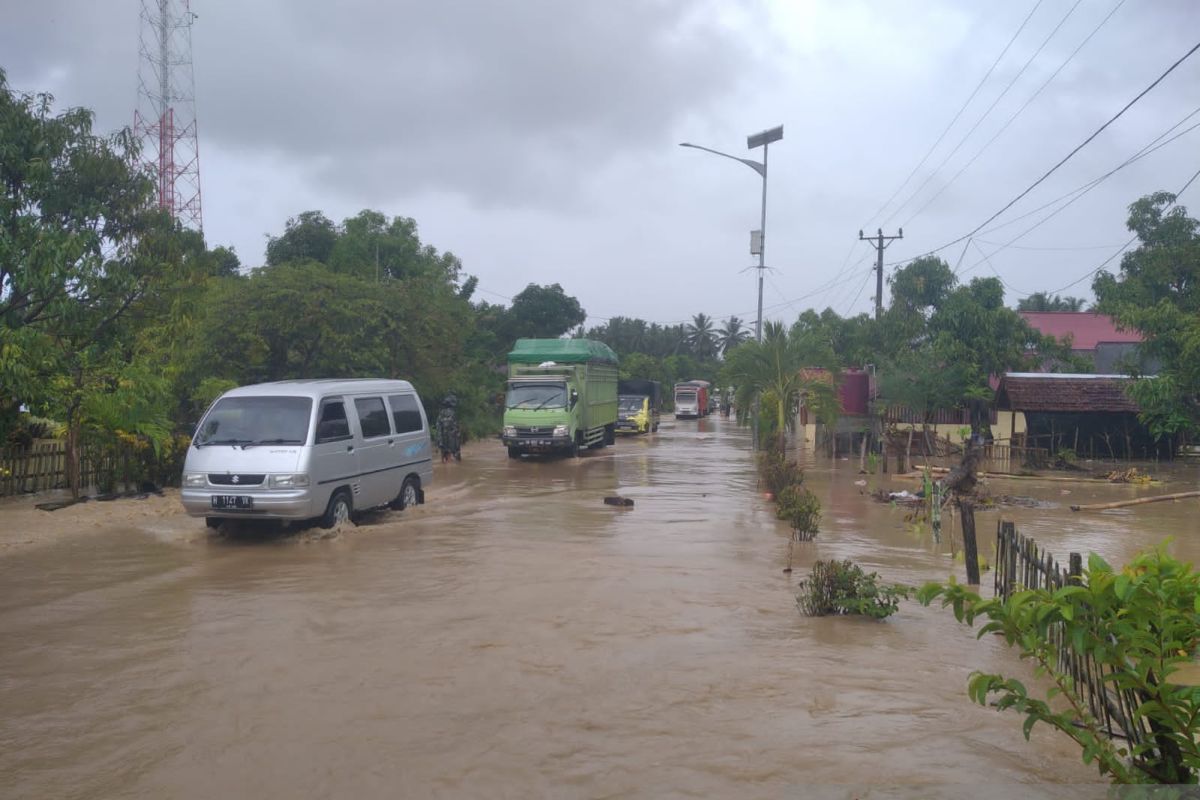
point(447, 425)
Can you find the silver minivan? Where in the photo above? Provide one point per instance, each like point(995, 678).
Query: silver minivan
point(297, 450)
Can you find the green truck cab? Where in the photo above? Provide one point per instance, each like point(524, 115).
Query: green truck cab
point(561, 396)
point(639, 404)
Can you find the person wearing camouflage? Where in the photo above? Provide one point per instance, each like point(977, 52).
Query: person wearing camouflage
point(447, 427)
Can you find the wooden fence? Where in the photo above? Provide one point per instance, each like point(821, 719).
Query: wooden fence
point(1021, 564)
point(1003, 456)
point(43, 466)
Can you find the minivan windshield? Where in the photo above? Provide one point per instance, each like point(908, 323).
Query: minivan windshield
point(537, 395)
point(248, 421)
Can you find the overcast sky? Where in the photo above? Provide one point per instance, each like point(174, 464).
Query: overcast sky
point(537, 139)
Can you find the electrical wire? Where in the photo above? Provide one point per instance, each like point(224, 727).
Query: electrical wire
point(979, 121)
point(957, 114)
point(1126, 246)
point(1018, 113)
point(1065, 158)
point(1153, 145)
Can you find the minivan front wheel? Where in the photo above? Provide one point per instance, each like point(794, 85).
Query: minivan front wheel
point(338, 511)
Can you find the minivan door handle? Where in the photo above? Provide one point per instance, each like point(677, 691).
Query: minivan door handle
point(349, 448)
point(391, 441)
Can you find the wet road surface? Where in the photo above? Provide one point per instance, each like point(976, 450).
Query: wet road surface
point(516, 637)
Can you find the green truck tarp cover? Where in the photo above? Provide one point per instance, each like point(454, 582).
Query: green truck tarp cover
point(562, 351)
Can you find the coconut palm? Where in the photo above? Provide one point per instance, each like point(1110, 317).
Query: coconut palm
point(732, 334)
point(702, 337)
point(771, 370)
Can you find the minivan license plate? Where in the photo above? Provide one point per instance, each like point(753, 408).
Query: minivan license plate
point(236, 502)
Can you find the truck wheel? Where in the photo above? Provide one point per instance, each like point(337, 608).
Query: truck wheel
point(610, 434)
point(513, 452)
point(410, 494)
point(338, 511)
point(575, 447)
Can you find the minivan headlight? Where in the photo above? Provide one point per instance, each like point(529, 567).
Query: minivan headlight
point(289, 480)
point(560, 430)
point(194, 479)
point(510, 430)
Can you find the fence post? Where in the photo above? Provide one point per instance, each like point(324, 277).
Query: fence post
point(1075, 568)
point(970, 549)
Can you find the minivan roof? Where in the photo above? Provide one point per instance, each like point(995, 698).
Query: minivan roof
point(321, 388)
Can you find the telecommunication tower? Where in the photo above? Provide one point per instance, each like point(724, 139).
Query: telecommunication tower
point(165, 117)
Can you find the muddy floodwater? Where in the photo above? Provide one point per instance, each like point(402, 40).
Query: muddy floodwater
point(516, 637)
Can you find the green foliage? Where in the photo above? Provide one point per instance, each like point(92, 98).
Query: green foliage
point(702, 338)
point(1157, 292)
point(776, 470)
point(1140, 624)
point(842, 587)
point(1041, 301)
point(801, 509)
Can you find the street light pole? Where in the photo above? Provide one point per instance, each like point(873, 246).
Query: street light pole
point(762, 139)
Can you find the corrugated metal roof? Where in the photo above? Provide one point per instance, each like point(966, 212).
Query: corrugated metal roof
point(1085, 328)
point(1068, 393)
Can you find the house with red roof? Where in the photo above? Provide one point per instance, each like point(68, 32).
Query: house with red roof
point(1091, 334)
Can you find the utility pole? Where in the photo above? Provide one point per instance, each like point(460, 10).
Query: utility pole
point(880, 243)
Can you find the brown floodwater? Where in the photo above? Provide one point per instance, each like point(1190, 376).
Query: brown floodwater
point(516, 637)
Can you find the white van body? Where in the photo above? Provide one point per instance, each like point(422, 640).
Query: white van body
point(285, 450)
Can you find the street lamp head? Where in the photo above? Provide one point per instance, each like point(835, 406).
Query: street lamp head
point(764, 138)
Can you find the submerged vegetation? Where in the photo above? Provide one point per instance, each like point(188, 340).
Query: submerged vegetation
point(843, 587)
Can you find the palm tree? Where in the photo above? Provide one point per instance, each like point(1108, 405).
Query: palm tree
point(733, 334)
point(771, 370)
point(702, 338)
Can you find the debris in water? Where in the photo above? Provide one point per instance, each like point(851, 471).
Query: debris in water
point(624, 502)
point(860, 483)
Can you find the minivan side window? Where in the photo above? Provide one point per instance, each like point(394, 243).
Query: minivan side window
point(405, 413)
point(333, 424)
point(372, 416)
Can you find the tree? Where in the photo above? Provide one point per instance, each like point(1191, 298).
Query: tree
point(309, 236)
point(1157, 292)
point(1137, 626)
point(1040, 301)
point(731, 335)
point(702, 338)
point(81, 247)
point(771, 369)
point(372, 247)
point(542, 312)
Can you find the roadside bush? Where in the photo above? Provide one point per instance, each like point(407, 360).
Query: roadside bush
point(801, 509)
point(842, 587)
point(777, 472)
point(1138, 626)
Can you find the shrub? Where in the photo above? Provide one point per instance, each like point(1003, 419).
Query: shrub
point(842, 587)
point(777, 472)
point(1137, 626)
point(801, 509)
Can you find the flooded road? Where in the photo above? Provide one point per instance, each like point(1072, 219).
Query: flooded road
point(516, 637)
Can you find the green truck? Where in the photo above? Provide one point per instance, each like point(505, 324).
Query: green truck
point(562, 396)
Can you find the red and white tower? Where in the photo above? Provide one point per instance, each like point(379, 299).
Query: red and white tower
point(165, 117)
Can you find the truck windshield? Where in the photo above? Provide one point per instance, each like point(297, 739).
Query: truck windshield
point(537, 395)
point(629, 404)
point(256, 420)
point(685, 397)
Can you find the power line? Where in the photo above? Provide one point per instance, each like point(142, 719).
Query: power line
point(1153, 145)
point(1019, 111)
point(1065, 158)
point(979, 121)
point(1132, 239)
point(957, 114)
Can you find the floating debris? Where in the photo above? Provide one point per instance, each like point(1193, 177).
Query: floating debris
point(623, 502)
